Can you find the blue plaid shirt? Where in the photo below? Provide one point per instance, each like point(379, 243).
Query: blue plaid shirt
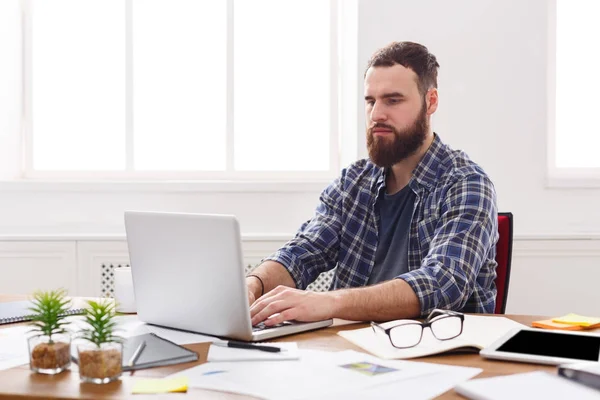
point(453, 232)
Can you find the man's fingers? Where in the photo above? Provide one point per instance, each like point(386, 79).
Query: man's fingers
point(259, 305)
point(267, 299)
point(274, 292)
point(268, 310)
point(286, 315)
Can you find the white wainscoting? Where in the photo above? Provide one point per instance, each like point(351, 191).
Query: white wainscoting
point(91, 257)
point(554, 277)
point(29, 265)
point(550, 276)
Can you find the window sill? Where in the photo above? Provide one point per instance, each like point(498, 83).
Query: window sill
point(307, 186)
point(120, 237)
point(572, 182)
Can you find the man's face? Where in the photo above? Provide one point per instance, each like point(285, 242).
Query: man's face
point(396, 114)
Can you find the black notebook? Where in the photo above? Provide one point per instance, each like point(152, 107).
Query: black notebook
point(17, 311)
point(158, 352)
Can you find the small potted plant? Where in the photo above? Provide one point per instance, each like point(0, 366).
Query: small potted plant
point(50, 346)
point(101, 353)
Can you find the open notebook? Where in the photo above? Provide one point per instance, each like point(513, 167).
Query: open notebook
point(17, 311)
point(478, 332)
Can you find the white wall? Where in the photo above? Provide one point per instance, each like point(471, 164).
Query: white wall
point(492, 104)
point(493, 94)
point(33, 212)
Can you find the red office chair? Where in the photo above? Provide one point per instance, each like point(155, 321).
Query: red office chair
point(503, 258)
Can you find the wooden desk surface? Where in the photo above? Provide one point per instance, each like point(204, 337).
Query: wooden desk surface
point(19, 382)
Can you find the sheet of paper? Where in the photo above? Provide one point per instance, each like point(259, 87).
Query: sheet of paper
point(13, 346)
point(289, 352)
point(530, 385)
point(478, 332)
point(418, 388)
point(320, 373)
point(150, 386)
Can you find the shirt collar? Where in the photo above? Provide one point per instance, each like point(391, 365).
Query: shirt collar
point(426, 171)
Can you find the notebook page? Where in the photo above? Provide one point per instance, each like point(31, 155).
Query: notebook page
point(478, 332)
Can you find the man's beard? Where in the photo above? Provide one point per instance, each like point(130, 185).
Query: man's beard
point(385, 152)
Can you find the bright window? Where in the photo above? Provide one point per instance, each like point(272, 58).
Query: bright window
point(576, 138)
point(181, 88)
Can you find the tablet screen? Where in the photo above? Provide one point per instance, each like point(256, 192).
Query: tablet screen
point(552, 344)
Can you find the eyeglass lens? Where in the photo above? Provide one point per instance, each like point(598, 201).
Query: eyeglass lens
point(406, 335)
point(443, 328)
point(446, 327)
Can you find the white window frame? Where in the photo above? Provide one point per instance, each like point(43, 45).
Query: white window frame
point(188, 180)
point(560, 177)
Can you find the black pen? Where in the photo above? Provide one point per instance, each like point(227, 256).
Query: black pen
point(247, 346)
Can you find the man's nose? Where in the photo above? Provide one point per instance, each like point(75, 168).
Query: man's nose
point(378, 114)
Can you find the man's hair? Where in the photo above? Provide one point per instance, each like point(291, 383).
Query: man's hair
point(410, 55)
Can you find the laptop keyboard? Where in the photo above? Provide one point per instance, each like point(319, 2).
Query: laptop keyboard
point(261, 326)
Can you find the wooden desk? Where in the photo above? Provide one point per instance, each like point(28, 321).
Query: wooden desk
point(20, 382)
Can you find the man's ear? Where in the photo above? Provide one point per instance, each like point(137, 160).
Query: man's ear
point(431, 97)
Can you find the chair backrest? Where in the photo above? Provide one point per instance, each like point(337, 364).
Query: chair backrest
point(503, 258)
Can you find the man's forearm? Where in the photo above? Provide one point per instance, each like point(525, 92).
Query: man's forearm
point(387, 301)
point(272, 274)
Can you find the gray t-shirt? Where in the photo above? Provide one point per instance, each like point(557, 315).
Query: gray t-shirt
point(395, 215)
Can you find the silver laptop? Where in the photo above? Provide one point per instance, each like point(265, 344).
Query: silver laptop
point(188, 273)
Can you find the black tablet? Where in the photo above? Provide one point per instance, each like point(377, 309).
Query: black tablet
point(545, 347)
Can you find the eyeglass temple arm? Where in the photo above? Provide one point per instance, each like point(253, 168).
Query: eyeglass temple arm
point(376, 325)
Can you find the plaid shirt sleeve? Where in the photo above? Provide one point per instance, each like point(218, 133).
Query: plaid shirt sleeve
point(462, 238)
point(315, 247)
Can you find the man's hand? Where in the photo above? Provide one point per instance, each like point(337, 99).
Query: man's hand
point(254, 288)
point(251, 298)
point(292, 304)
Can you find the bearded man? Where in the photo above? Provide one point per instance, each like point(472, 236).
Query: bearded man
point(409, 230)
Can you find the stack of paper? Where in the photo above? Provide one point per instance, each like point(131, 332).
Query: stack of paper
point(530, 385)
point(423, 387)
point(13, 346)
point(569, 322)
point(320, 375)
point(152, 386)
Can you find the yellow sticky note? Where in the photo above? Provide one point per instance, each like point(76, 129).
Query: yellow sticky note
point(575, 319)
point(145, 386)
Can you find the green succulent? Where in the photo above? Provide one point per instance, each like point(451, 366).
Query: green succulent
point(99, 317)
point(49, 310)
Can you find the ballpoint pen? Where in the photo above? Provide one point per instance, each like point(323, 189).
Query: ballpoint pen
point(247, 346)
point(136, 354)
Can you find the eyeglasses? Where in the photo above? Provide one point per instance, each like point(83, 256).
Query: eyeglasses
point(444, 325)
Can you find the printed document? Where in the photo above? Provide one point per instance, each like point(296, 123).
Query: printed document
point(317, 374)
